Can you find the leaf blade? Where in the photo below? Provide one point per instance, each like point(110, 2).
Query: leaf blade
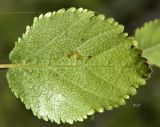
point(90, 67)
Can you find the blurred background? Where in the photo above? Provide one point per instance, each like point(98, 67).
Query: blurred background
point(141, 110)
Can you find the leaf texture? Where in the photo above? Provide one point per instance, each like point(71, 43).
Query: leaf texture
point(149, 40)
point(71, 63)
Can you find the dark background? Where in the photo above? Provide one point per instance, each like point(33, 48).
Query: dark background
point(141, 110)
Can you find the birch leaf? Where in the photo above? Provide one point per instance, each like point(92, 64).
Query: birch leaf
point(71, 63)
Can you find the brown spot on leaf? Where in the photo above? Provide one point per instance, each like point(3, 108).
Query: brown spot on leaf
point(74, 54)
point(83, 39)
point(89, 57)
point(69, 55)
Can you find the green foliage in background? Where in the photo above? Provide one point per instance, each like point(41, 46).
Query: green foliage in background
point(148, 38)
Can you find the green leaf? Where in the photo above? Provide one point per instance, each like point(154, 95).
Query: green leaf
point(148, 38)
point(72, 63)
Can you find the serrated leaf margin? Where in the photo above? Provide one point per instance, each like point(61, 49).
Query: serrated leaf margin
point(101, 109)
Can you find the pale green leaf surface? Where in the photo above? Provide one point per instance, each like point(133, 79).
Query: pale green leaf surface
point(148, 38)
point(71, 63)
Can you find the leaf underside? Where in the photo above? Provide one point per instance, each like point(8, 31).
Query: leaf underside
point(148, 38)
point(71, 63)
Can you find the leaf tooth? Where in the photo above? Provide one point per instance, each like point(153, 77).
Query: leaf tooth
point(27, 30)
point(85, 116)
point(143, 82)
point(61, 11)
point(109, 107)
point(57, 120)
point(16, 43)
point(137, 86)
point(80, 9)
point(116, 106)
point(85, 10)
point(72, 9)
point(91, 13)
point(69, 121)
point(19, 39)
point(63, 120)
point(135, 43)
point(34, 113)
point(45, 118)
point(101, 109)
point(16, 94)
point(41, 16)
point(115, 23)
point(51, 119)
point(26, 33)
point(22, 100)
point(110, 20)
point(91, 112)
point(53, 13)
point(35, 20)
point(122, 102)
point(80, 119)
point(75, 120)
point(38, 115)
point(101, 17)
point(125, 34)
point(47, 15)
point(23, 36)
point(126, 97)
point(132, 91)
point(27, 106)
point(121, 27)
